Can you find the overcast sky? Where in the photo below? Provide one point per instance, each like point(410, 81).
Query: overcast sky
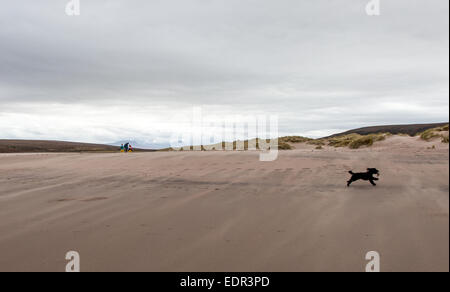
point(132, 69)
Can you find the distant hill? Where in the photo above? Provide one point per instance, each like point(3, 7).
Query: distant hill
point(411, 130)
point(32, 146)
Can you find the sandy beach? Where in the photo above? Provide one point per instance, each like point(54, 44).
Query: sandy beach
point(227, 211)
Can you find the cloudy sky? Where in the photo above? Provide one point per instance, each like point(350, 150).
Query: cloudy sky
point(135, 69)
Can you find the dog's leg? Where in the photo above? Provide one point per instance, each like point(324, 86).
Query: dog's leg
point(349, 183)
point(372, 182)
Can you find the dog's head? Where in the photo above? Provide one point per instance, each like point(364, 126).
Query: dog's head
point(373, 171)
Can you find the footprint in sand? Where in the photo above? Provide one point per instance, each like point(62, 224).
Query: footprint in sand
point(93, 199)
point(65, 200)
point(82, 200)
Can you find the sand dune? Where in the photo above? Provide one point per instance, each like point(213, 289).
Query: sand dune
point(227, 211)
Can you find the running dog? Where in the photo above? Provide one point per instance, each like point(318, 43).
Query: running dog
point(364, 176)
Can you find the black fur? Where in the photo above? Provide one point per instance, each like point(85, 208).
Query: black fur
point(364, 176)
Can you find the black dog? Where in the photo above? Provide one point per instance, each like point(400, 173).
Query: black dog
point(364, 176)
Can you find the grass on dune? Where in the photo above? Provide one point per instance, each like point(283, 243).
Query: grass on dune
point(294, 139)
point(317, 142)
point(434, 133)
point(238, 145)
point(343, 141)
point(355, 141)
point(368, 140)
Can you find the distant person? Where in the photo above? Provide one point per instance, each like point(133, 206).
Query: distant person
point(122, 148)
point(130, 148)
point(127, 146)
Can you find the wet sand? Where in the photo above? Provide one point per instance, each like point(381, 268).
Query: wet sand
point(227, 211)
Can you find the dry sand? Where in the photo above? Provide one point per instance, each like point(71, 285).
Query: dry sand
point(226, 211)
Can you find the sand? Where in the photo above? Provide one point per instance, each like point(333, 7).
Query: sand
point(227, 211)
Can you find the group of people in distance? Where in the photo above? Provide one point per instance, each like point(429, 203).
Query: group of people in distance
point(126, 148)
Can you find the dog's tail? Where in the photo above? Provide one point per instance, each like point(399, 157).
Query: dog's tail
point(351, 172)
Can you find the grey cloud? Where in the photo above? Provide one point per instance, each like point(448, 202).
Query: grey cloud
point(295, 58)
